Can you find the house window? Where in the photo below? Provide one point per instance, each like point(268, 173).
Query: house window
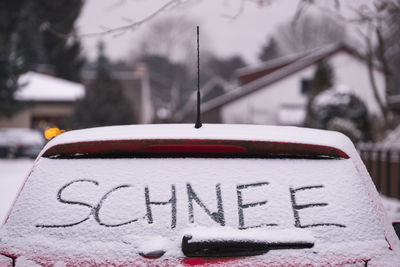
point(306, 86)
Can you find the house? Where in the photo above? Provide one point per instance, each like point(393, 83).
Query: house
point(276, 92)
point(213, 88)
point(47, 101)
point(50, 101)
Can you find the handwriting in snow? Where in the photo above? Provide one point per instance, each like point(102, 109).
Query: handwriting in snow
point(218, 216)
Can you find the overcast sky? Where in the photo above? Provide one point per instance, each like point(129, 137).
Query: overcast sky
point(244, 35)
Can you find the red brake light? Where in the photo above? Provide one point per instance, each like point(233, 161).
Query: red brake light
point(193, 148)
point(171, 147)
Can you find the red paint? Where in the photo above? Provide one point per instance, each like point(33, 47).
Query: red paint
point(192, 261)
point(233, 148)
point(193, 148)
point(49, 260)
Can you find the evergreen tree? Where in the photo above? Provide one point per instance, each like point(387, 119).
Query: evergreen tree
point(323, 79)
point(224, 67)
point(11, 63)
point(171, 85)
point(104, 103)
point(269, 51)
point(24, 44)
point(340, 110)
point(62, 53)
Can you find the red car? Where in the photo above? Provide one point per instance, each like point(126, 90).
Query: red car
point(224, 195)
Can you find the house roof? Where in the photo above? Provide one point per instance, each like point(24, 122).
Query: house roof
point(251, 73)
point(208, 88)
point(41, 87)
point(283, 72)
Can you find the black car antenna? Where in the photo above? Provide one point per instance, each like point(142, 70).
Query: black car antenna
point(198, 120)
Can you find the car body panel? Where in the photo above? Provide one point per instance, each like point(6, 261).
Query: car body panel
point(200, 180)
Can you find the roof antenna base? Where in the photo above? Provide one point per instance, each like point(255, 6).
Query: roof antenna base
point(198, 125)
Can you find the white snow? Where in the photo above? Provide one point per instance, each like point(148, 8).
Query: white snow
point(24, 262)
point(392, 140)
point(5, 261)
point(30, 229)
point(205, 234)
point(392, 207)
point(146, 244)
point(12, 175)
point(112, 192)
point(41, 87)
point(209, 131)
point(339, 95)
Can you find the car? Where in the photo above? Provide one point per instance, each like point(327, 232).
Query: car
point(223, 195)
point(20, 142)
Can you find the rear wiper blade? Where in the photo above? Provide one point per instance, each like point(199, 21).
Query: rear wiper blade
point(239, 245)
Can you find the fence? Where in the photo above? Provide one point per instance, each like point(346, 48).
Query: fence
point(384, 168)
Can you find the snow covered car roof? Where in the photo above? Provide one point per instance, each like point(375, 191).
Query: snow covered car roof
point(164, 211)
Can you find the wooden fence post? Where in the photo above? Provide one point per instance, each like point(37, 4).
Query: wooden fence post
point(378, 171)
point(388, 162)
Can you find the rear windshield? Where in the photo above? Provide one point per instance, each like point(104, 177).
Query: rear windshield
point(121, 207)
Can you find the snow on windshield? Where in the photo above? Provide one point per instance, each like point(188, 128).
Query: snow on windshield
point(116, 207)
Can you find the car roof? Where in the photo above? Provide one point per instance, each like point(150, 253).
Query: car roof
point(282, 134)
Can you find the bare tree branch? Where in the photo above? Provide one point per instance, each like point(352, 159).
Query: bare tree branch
point(301, 7)
point(117, 30)
point(381, 49)
point(370, 66)
point(240, 10)
point(238, 13)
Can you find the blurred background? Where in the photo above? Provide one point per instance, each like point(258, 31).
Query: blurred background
point(72, 64)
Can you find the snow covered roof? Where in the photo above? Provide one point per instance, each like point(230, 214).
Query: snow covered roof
point(277, 75)
point(209, 132)
point(41, 87)
point(392, 140)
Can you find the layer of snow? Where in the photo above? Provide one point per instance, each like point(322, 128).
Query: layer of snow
point(392, 140)
point(34, 226)
point(392, 207)
point(209, 131)
point(12, 175)
point(205, 234)
point(24, 262)
point(336, 96)
point(241, 132)
point(5, 261)
point(41, 87)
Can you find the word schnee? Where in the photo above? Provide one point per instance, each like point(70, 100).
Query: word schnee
point(218, 216)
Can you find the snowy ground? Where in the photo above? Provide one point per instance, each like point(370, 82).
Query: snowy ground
point(13, 173)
